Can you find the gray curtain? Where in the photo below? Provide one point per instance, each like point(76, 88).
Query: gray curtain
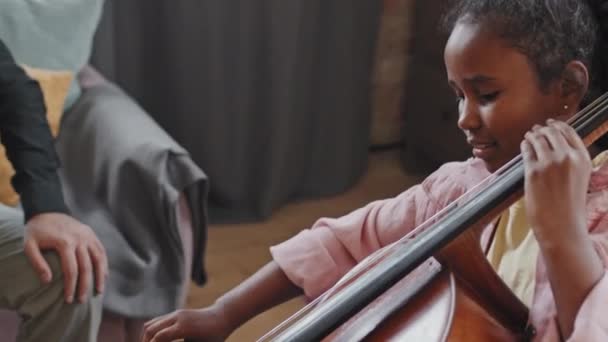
point(270, 97)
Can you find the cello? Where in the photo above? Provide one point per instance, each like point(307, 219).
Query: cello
point(434, 284)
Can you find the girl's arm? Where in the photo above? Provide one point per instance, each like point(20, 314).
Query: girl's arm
point(558, 169)
point(264, 290)
point(267, 288)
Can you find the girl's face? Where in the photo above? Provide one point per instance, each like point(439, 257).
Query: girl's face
point(498, 91)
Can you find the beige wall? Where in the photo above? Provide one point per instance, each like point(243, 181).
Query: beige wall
point(390, 71)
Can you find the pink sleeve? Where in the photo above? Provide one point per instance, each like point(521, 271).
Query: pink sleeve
point(316, 258)
point(591, 322)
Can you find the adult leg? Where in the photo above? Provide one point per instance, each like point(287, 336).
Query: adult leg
point(45, 314)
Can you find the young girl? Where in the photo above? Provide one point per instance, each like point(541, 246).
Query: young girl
point(518, 68)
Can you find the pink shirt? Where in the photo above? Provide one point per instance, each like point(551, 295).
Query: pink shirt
point(317, 258)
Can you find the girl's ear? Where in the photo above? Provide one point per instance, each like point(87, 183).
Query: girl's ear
point(574, 84)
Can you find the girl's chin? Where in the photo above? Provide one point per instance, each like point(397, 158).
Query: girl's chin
point(491, 165)
point(495, 157)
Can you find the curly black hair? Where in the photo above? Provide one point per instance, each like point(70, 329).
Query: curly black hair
point(551, 33)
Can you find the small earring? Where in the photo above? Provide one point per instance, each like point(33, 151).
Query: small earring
point(566, 107)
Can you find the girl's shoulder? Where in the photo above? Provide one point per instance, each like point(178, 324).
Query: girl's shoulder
point(466, 173)
point(454, 178)
point(599, 177)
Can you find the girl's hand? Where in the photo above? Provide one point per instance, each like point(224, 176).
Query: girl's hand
point(206, 324)
point(557, 171)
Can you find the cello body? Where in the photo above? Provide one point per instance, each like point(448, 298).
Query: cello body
point(436, 302)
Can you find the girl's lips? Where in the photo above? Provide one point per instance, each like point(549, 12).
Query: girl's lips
point(484, 151)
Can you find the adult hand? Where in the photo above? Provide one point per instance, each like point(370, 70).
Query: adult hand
point(82, 255)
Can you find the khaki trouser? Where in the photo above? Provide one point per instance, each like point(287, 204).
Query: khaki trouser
point(45, 314)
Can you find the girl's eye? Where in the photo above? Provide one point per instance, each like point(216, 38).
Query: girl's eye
point(489, 97)
point(459, 99)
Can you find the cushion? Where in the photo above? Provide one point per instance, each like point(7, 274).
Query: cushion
point(51, 34)
point(55, 86)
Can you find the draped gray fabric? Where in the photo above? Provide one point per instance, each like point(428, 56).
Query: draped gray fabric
point(270, 97)
point(122, 175)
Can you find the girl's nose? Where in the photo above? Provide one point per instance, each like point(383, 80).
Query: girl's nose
point(468, 116)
